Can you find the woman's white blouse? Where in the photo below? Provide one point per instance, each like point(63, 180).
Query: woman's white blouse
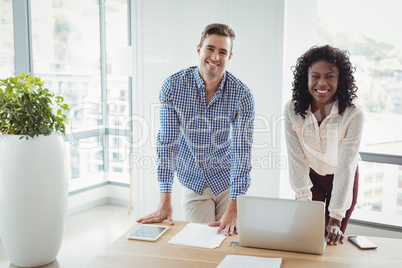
point(329, 148)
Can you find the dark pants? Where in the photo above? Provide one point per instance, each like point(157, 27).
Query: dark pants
point(322, 188)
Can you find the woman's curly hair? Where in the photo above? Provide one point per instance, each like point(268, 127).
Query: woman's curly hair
point(346, 92)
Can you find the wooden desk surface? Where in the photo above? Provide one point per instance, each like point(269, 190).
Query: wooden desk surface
point(135, 253)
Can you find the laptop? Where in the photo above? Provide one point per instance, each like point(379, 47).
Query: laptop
point(281, 224)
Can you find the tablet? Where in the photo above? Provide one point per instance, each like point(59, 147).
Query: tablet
point(148, 232)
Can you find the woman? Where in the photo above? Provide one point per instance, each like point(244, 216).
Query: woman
point(323, 133)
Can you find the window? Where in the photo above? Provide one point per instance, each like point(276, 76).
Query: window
point(400, 199)
point(7, 67)
point(379, 177)
point(118, 86)
point(368, 179)
point(119, 154)
point(377, 56)
point(66, 55)
point(83, 157)
point(72, 44)
point(379, 194)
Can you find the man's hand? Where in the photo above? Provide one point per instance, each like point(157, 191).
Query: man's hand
point(335, 234)
point(163, 212)
point(228, 222)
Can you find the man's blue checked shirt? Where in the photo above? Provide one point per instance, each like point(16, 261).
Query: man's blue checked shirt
point(205, 143)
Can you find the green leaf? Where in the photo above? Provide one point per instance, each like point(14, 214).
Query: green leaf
point(26, 107)
point(10, 96)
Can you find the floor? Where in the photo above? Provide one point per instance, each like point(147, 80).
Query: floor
point(87, 234)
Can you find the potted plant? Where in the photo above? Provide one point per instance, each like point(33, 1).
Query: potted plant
point(33, 188)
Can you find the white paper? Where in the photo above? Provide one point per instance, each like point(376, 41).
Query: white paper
point(239, 261)
point(198, 235)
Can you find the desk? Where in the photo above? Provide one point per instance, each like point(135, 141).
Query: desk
point(135, 253)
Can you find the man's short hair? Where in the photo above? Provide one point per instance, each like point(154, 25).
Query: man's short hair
point(219, 29)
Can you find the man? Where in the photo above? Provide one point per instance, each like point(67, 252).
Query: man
point(207, 119)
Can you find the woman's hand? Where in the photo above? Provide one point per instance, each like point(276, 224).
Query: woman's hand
point(335, 234)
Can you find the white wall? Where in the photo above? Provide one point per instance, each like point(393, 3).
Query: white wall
point(300, 34)
point(168, 32)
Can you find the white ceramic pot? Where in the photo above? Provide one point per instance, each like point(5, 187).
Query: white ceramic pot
point(33, 198)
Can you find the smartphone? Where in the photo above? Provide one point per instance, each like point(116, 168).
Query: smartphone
point(148, 232)
point(362, 242)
